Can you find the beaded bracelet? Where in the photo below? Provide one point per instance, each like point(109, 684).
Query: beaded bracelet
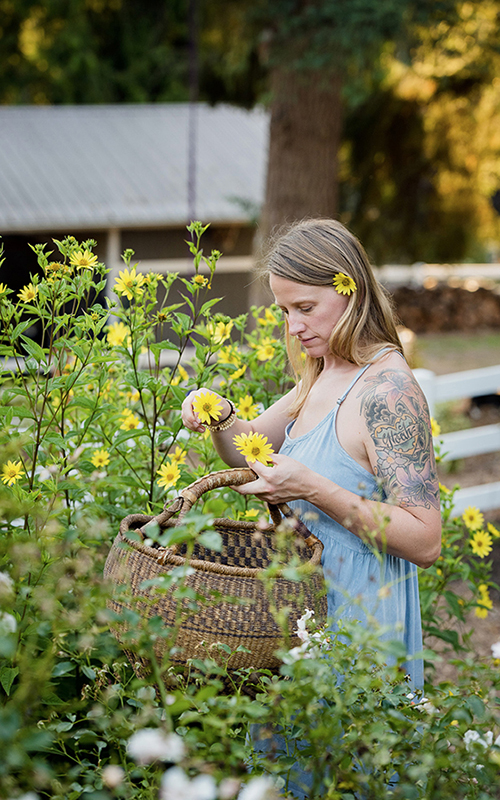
point(225, 423)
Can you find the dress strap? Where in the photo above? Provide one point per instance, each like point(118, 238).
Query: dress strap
point(360, 373)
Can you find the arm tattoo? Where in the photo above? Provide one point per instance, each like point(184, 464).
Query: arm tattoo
point(398, 422)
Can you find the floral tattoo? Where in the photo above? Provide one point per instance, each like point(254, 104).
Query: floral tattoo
point(398, 422)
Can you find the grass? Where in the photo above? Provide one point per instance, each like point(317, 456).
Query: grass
point(457, 351)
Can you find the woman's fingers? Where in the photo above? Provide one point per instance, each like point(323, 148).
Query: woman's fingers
point(189, 417)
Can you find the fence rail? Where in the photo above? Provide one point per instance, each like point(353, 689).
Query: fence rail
point(470, 442)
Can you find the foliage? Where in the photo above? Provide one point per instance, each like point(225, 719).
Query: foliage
point(89, 416)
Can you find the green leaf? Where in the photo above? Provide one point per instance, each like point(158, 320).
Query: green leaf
point(33, 349)
point(211, 540)
point(62, 668)
point(7, 677)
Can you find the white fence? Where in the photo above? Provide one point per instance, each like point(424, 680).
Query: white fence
point(471, 442)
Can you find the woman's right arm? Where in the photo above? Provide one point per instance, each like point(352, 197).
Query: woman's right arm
point(271, 423)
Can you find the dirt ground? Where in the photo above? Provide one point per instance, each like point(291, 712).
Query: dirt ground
point(451, 353)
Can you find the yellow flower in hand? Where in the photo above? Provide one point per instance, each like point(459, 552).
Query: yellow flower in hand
point(169, 474)
point(207, 406)
point(11, 472)
point(343, 284)
point(254, 447)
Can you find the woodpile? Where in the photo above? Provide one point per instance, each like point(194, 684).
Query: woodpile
point(447, 308)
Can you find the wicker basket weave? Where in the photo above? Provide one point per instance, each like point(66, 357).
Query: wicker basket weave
point(233, 572)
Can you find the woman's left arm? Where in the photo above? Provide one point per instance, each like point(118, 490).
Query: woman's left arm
point(398, 443)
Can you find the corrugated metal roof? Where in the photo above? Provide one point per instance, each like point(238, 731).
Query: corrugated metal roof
point(73, 167)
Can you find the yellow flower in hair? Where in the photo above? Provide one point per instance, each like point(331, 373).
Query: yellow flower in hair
point(207, 406)
point(169, 474)
point(473, 518)
point(254, 447)
point(344, 284)
point(481, 544)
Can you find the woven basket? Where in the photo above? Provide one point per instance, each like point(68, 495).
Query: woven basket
point(233, 572)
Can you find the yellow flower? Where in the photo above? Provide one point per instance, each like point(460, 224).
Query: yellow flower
point(265, 350)
point(251, 513)
point(473, 518)
point(118, 334)
point(169, 474)
point(444, 488)
point(238, 373)
point(11, 472)
point(221, 331)
point(82, 259)
point(133, 396)
point(268, 319)
point(129, 421)
point(494, 532)
point(28, 293)
point(254, 447)
point(229, 355)
point(208, 407)
point(153, 278)
point(181, 375)
point(128, 282)
point(481, 544)
point(247, 408)
point(200, 280)
point(343, 284)
point(435, 427)
point(178, 456)
point(100, 458)
point(485, 602)
point(3, 288)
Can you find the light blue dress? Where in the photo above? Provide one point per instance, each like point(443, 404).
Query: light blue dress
point(354, 574)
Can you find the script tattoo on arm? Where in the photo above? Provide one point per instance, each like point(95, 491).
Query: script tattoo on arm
point(398, 422)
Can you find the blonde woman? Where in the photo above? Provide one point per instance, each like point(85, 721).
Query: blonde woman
point(353, 438)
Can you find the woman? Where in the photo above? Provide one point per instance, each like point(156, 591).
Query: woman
point(353, 438)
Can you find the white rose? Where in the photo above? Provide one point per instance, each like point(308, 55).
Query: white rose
point(260, 788)
point(8, 624)
point(175, 785)
point(112, 776)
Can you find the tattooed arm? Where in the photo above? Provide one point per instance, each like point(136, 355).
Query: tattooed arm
point(395, 436)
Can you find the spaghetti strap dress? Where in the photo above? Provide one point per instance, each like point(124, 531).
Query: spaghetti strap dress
point(354, 574)
point(358, 581)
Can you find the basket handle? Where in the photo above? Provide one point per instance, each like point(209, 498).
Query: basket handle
point(229, 477)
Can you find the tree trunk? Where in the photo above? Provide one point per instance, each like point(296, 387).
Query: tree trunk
point(302, 173)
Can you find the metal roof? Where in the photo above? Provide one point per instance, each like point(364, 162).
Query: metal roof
point(73, 167)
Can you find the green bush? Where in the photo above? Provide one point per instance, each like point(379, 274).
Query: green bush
point(90, 431)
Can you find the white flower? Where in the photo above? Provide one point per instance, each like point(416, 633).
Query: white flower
point(260, 788)
point(6, 584)
point(473, 737)
point(153, 744)
point(301, 631)
point(495, 650)
point(228, 788)
point(175, 785)
point(8, 624)
point(112, 776)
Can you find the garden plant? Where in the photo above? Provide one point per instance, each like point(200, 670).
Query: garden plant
point(90, 431)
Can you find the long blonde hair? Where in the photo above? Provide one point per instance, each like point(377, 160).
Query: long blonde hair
point(312, 252)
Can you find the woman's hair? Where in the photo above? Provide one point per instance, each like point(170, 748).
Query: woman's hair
point(312, 252)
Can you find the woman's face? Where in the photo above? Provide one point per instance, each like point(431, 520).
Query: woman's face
point(312, 312)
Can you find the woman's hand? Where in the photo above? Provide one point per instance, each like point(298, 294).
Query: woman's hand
point(284, 481)
point(189, 416)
